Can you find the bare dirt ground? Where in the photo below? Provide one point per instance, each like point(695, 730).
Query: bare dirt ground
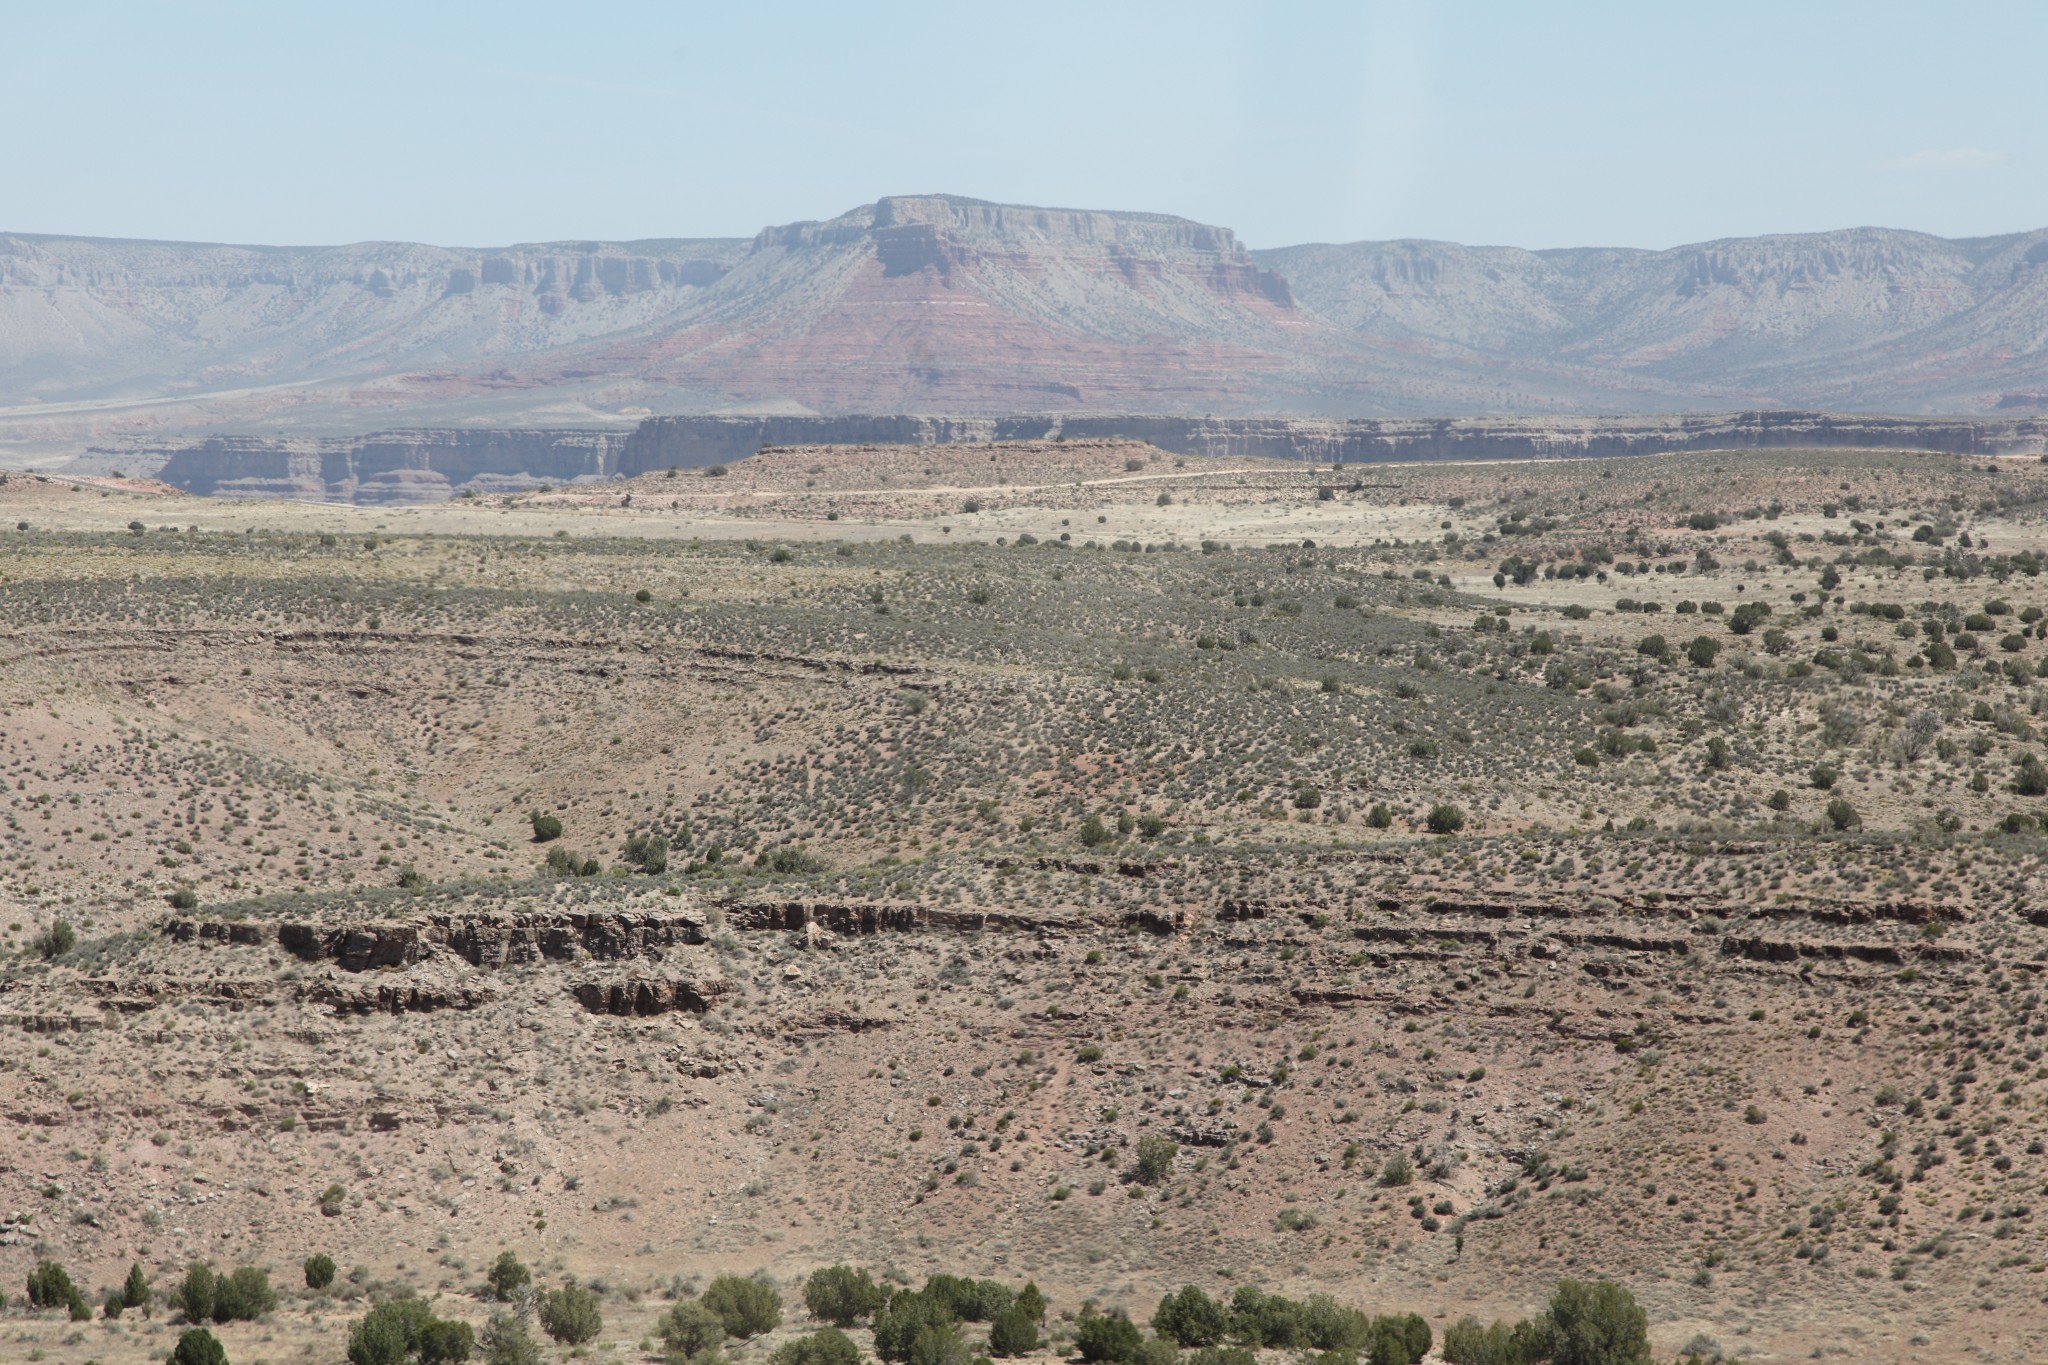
point(987, 853)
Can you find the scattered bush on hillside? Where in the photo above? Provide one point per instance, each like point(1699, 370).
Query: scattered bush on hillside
point(197, 1346)
point(841, 1295)
point(691, 1332)
point(746, 1307)
point(826, 1346)
point(570, 1314)
point(507, 1276)
point(49, 1286)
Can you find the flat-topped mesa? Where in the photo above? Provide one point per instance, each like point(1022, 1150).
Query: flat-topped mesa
point(977, 220)
point(943, 233)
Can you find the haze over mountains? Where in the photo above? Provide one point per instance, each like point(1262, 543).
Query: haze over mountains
point(946, 305)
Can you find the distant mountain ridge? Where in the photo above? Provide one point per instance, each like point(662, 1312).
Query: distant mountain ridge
point(940, 304)
point(1866, 319)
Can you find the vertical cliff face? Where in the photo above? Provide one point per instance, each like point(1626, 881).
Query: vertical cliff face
point(385, 466)
point(430, 465)
point(662, 442)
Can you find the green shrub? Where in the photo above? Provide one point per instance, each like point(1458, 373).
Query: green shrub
point(390, 1333)
point(570, 1314)
point(506, 1341)
point(184, 898)
point(1842, 815)
point(319, 1271)
point(406, 1330)
point(49, 1286)
point(789, 861)
point(1399, 1170)
point(1270, 1320)
point(1013, 1332)
point(1445, 818)
point(243, 1296)
point(969, 1300)
point(1702, 651)
point(565, 862)
point(1155, 1158)
point(1220, 1355)
point(841, 1295)
point(1595, 1324)
point(648, 852)
point(1107, 1336)
point(446, 1341)
point(54, 942)
point(507, 1277)
point(939, 1344)
point(827, 1346)
point(690, 1330)
point(1330, 1326)
point(135, 1289)
point(197, 1346)
point(1399, 1339)
point(1468, 1343)
point(546, 828)
point(903, 1318)
point(1191, 1317)
point(1748, 616)
point(194, 1296)
point(747, 1307)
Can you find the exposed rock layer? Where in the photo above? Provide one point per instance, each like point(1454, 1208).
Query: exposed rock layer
point(435, 464)
point(481, 940)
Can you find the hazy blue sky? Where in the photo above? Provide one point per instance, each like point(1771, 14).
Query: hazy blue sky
point(1642, 124)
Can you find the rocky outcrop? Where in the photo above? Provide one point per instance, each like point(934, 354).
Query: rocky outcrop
point(870, 917)
point(1761, 949)
point(650, 995)
point(401, 997)
point(480, 940)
